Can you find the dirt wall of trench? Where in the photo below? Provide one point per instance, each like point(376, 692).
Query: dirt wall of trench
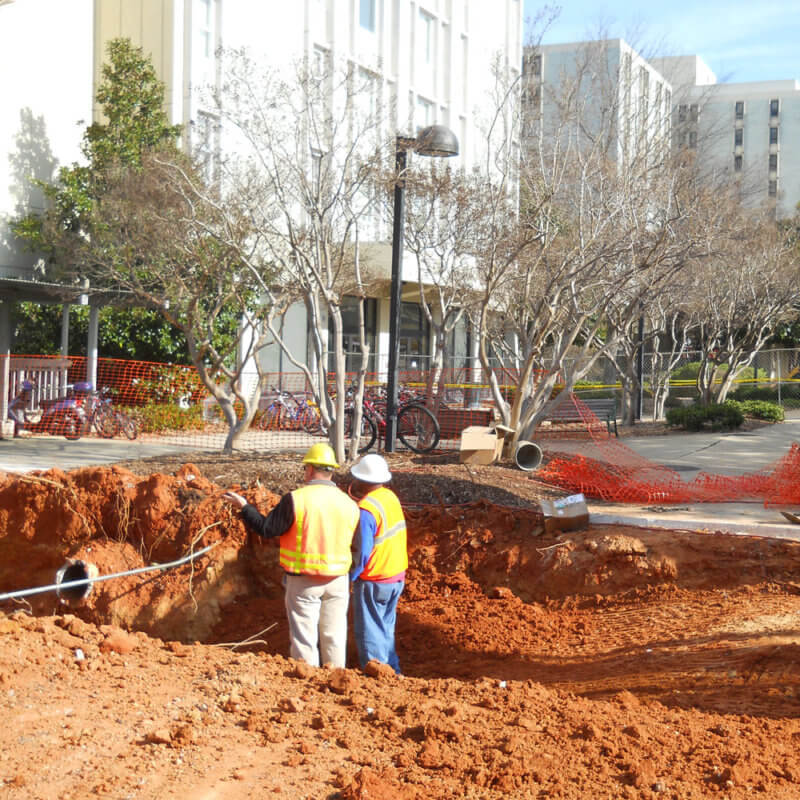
point(120, 521)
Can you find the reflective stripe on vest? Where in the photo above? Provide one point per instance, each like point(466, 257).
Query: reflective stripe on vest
point(389, 556)
point(318, 543)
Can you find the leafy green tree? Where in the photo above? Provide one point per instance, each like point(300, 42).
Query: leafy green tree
point(132, 101)
point(129, 333)
point(139, 218)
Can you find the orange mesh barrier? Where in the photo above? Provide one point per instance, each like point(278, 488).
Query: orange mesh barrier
point(165, 405)
point(587, 459)
point(168, 405)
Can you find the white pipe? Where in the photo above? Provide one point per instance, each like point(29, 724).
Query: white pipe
point(84, 581)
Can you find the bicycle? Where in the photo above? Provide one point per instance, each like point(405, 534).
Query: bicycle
point(63, 416)
point(107, 420)
point(287, 411)
point(417, 427)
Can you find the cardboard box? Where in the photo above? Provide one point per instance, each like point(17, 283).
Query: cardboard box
point(567, 514)
point(481, 444)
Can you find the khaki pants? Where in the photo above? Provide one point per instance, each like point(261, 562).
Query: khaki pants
point(316, 608)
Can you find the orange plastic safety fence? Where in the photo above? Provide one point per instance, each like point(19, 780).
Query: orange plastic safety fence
point(168, 404)
point(597, 464)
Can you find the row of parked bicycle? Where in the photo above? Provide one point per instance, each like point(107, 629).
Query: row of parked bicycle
point(81, 411)
point(417, 426)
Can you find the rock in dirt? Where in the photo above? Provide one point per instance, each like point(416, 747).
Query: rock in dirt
point(343, 681)
point(379, 671)
point(376, 786)
point(118, 641)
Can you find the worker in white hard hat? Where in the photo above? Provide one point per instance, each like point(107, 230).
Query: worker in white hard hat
point(380, 561)
point(316, 525)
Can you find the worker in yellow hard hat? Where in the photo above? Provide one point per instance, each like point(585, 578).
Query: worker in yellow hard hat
point(316, 524)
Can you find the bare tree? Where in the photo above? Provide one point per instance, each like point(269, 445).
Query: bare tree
point(608, 220)
point(443, 211)
point(308, 150)
point(741, 297)
point(158, 236)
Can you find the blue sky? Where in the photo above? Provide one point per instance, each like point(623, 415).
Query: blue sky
point(741, 40)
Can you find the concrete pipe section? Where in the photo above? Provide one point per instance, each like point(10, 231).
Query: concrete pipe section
point(74, 581)
point(528, 455)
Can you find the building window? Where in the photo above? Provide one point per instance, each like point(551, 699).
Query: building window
point(737, 163)
point(693, 112)
point(738, 136)
point(532, 64)
point(773, 162)
point(366, 16)
point(773, 135)
point(206, 25)
point(427, 29)
point(316, 172)
point(773, 188)
point(414, 337)
point(426, 113)
point(774, 107)
point(693, 139)
point(321, 62)
point(351, 339)
point(206, 144)
point(682, 113)
point(739, 109)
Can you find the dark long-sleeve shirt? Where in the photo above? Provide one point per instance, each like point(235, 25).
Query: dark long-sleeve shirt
point(276, 523)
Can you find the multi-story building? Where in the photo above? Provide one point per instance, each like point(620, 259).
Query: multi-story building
point(603, 88)
point(748, 131)
point(429, 61)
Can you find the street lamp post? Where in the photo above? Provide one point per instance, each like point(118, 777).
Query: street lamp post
point(435, 140)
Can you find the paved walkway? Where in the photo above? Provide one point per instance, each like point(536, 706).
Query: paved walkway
point(28, 453)
point(725, 453)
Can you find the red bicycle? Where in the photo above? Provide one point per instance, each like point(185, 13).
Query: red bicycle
point(417, 427)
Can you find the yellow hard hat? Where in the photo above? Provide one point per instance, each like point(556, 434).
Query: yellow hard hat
point(321, 455)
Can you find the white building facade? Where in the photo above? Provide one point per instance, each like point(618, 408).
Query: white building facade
point(617, 91)
point(748, 131)
point(430, 62)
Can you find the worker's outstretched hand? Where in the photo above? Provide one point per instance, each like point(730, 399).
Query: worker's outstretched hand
point(235, 499)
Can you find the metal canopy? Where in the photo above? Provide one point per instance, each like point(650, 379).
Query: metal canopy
point(20, 290)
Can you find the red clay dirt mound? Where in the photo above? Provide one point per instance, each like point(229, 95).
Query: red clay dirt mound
point(609, 662)
point(120, 522)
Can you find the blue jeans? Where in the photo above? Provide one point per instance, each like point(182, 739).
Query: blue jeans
point(374, 618)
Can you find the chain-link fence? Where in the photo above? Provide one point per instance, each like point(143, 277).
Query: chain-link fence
point(169, 401)
point(671, 380)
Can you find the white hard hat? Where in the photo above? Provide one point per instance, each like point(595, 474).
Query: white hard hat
point(372, 468)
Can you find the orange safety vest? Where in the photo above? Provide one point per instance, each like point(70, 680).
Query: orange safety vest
point(389, 556)
point(318, 543)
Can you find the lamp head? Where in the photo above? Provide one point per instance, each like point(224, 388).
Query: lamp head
point(436, 140)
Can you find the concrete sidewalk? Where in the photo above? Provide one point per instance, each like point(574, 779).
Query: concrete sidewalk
point(724, 453)
point(750, 519)
point(28, 453)
point(729, 453)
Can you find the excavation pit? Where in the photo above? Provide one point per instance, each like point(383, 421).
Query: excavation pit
point(489, 592)
point(522, 651)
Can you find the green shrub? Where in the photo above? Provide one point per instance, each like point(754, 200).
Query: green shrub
point(761, 409)
point(716, 416)
point(159, 417)
point(686, 372)
point(750, 392)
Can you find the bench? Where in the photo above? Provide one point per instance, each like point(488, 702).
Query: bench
point(604, 408)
